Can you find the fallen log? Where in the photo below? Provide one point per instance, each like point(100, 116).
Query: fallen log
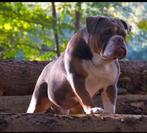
point(19, 77)
point(133, 76)
point(80, 123)
point(14, 104)
point(126, 104)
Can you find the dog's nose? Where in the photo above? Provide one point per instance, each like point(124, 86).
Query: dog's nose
point(120, 40)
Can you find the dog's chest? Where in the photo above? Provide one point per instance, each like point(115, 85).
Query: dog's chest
point(99, 76)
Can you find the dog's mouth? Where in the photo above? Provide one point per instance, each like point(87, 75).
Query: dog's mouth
point(116, 54)
point(120, 53)
point(105, 58)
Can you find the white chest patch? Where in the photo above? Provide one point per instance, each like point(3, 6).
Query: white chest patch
point(100, 75)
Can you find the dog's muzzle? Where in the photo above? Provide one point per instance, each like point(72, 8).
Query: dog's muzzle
point(115, 49)
point(120, 50)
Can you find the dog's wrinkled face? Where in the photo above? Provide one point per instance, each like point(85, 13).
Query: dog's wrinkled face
point(110, 34)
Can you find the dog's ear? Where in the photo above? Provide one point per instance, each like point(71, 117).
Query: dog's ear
point(92, 22)
point(126, 25)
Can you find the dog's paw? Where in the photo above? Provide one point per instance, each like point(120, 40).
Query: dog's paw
point(95, 110)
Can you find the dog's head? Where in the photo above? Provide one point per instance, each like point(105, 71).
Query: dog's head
point(108, 35)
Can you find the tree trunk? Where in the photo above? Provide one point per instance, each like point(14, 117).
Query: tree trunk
point(77, 16)
point(14, 104)
point(126, 104)
point(19, 77)
point(79, 123)
point(55, 29)
point(133, 76)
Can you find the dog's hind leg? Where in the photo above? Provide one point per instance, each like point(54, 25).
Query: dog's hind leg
point(39, 101)
point(76, 109)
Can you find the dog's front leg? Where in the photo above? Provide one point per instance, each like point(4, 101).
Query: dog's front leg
point(78, 85)
point(109, 97)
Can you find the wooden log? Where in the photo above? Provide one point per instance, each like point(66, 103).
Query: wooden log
point(126, 104)
point(19, 77)
point(21, 122)
point(133, 76)
point(14, 104)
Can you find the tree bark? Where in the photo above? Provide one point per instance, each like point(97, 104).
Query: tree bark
point(79, 123)
point(19, 77)
point(77, 16)
point(14, 104)
point(126, 104)
point(133, 76)
point(55, 29)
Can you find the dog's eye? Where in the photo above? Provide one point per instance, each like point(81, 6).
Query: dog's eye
point(108, 32)
point(123, 34)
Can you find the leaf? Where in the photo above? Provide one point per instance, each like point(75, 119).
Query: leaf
point(142, 24)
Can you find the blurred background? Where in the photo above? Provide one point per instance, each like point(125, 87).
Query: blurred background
point(40, 30)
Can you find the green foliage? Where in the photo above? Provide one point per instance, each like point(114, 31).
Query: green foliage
point(27, 29)
point(24, 31)
point(142, 24)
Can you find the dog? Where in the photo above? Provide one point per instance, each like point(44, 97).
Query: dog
point(89, 64)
